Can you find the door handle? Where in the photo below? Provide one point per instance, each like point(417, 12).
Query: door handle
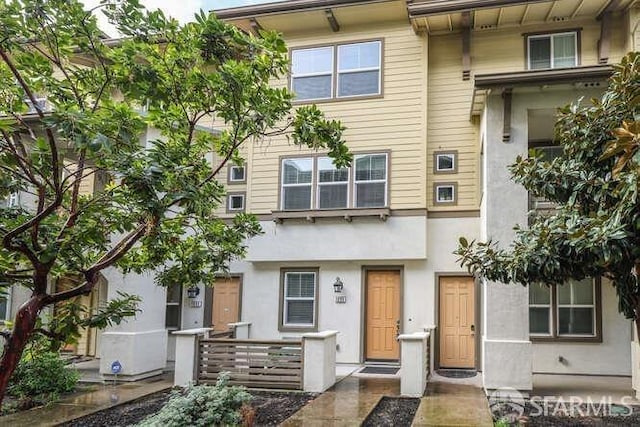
point(473, 329)
point(397, 328)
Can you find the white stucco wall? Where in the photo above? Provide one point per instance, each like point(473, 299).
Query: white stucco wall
point(505, 312)
point(611, 357)
point(261, 280)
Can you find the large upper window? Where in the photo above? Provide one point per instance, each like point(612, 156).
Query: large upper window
point(558, 50)
point(297, 181)
point(331, 188)
point(299, 299)
point(566, 311)
point(355, 69)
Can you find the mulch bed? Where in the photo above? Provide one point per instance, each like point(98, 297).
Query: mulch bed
point(582, 415)
point(271, 407)
point(393, 411)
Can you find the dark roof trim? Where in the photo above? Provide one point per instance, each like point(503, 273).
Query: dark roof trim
point(286, 7)
point(535, 77)
point(438, 7)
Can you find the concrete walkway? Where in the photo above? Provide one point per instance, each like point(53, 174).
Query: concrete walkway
point(351, 400)
point(81, 404)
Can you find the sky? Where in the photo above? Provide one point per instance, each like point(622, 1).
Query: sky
point(182, 10)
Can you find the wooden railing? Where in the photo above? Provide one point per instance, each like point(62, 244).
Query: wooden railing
point(252, 363)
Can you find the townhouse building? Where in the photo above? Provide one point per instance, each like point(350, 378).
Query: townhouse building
point(438, 98)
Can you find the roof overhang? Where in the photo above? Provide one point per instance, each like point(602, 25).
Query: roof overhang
point(288, 6)
point(309, 16)
point(445, 16)
point(580, 77)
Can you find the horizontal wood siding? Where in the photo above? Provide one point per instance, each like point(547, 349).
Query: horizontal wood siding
point(252, 363)
point(449, 128)
point(396, 121)
point(492, 51)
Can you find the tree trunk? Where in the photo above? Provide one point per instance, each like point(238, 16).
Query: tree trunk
point(24, 324)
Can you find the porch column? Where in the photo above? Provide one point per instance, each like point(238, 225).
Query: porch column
point(414, 363)
point(187, 355)
point(506, 348)
point(319, 372)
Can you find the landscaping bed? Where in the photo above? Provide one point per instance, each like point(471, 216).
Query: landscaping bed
point(271, 408)
point(579, 415)
point(393, 411)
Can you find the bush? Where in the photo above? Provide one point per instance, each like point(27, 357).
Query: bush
point(201, 405)
point(42, 376)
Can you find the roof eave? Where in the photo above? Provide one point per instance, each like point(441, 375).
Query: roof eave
point(537, 77)
point(439, 7)
point(288, 6)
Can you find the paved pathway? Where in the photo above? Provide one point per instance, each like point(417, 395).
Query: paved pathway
point(82, 404)
point(350, 401)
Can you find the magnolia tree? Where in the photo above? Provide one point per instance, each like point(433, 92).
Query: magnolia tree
point(157, 213)
point(595, 228)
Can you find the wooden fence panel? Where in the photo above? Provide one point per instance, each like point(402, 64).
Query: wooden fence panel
point(252, 363)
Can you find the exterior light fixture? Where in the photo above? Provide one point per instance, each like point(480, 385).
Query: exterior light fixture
point(338, 286)
point(193, 292)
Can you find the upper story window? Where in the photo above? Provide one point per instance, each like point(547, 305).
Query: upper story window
point(297, 182)
point(13, 200)
point(558, 50)
point(237, 175)
point(355, 68)
point(315, 182)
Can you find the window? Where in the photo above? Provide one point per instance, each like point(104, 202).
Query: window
point(355, 66)
point(299, 291)
point(370, 183)
point(5, 304)
point(173, 311)
point(445, 193)
point(569, 311)
point(359, 69)
point(558, 50)
point(13, 200)
point(297, 175)
point(237, 175)
point(445, 162)
point(235, 202)
point(330, 187)
point(333, 185)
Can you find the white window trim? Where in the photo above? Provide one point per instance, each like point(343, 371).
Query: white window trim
point(371, 181)
point(592, 306)
point(551, 59)
point(453, 193)
point(7, 314)
point(244, 174)
point(316, 74)
point(550, 317)
point(359, 70)
point(13, 200)
point(230, 207)
point(322, 184)
point(453, 162)
point(310, 184)
point(285, 299)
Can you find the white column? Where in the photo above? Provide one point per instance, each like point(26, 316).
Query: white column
point(413, 363)
point(240, 330)
point(187, 355)
point(319, 360)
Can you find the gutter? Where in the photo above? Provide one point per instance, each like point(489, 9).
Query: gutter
point(288, 6)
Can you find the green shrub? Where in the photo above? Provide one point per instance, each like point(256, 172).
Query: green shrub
point(201, 405)
point(42, 376)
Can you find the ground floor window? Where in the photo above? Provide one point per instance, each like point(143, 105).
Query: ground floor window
point(173, 311)
point(570, 311)
point(298, 296)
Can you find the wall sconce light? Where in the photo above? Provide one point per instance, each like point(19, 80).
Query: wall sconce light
point(338, 286)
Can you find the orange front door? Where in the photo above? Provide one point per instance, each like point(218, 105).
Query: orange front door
point(226, 303)
point(383, 315)
point(457, 334)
